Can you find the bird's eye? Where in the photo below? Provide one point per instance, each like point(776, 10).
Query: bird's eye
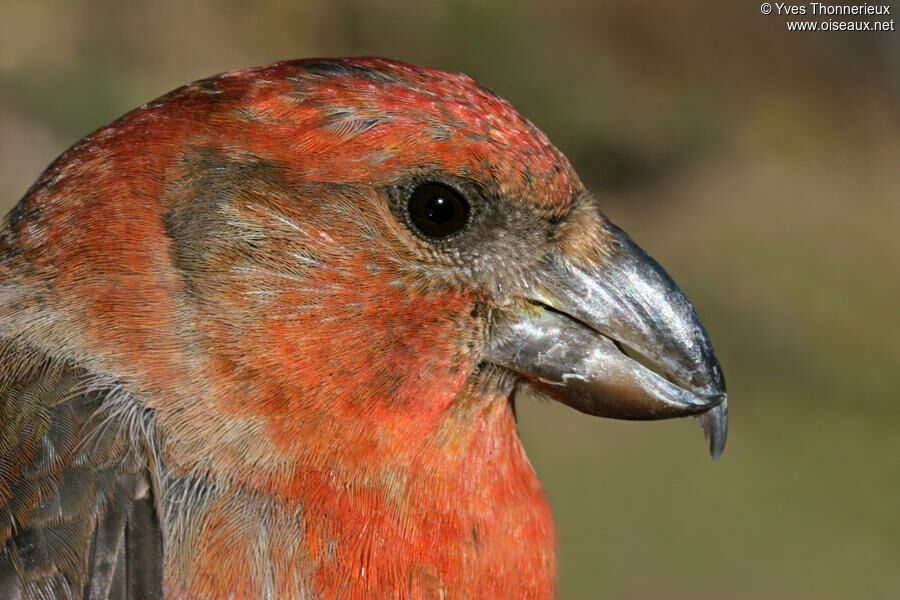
point(437, 211)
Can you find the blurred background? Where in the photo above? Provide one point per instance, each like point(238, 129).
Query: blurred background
point(761, 167)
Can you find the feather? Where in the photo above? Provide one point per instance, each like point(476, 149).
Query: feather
point(77, 502)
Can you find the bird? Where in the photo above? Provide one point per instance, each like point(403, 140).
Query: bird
point(262, 338)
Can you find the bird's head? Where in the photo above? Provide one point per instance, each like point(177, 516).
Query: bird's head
point(355, 247)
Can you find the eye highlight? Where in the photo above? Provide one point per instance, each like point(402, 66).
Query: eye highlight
point(437, 211)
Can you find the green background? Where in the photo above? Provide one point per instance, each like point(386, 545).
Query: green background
point(760, 167)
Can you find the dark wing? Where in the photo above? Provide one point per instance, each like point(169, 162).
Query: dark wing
point(78, 516)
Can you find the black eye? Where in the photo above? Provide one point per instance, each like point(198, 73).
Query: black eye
point(437, 211)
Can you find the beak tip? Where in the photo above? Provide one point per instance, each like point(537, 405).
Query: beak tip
point(715, 428)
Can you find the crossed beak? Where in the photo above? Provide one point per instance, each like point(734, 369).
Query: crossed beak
point(617, 339)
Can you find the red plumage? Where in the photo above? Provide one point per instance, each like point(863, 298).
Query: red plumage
point(311, 393)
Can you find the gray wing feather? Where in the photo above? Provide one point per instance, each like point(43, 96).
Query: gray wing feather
point(78, 516)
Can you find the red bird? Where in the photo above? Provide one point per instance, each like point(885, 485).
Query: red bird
point(259, 339)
